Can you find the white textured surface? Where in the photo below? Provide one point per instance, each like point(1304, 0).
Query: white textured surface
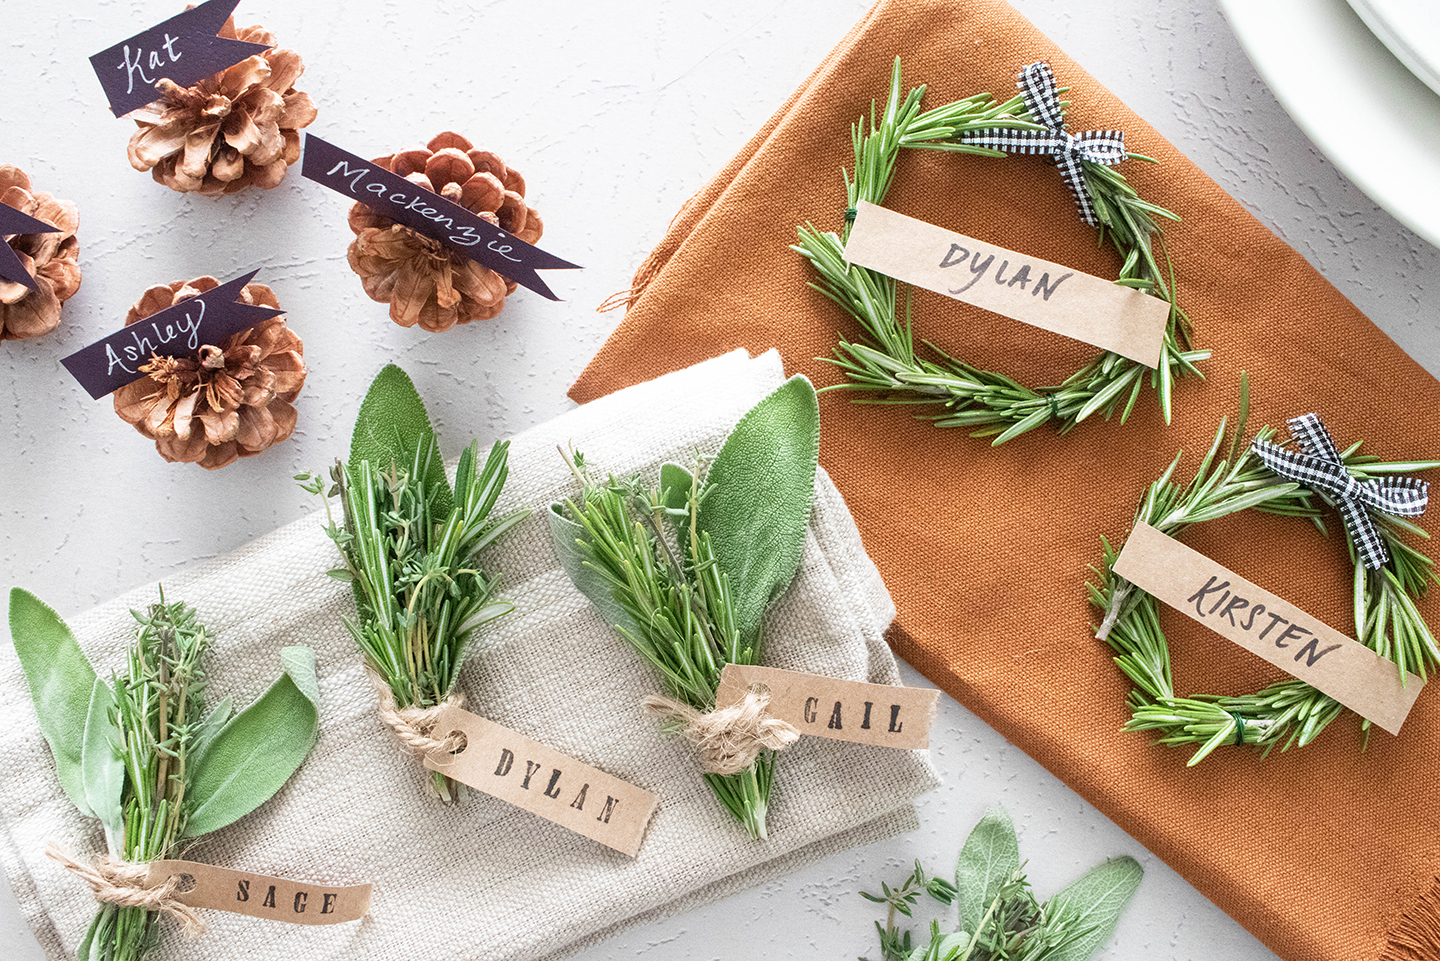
point(615, 113)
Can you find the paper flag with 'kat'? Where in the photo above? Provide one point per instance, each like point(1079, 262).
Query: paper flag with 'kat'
point(428, 213)
point(14, 222)
point(210, 318)
point(183, 50)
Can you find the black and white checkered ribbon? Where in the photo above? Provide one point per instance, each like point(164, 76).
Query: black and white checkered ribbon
point(1105, 147)
point(1317, 465)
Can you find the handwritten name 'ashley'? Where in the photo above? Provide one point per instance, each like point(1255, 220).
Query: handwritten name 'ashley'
point(143, 347)
point(416, 203)
point(1229, 606)
point(958, 255)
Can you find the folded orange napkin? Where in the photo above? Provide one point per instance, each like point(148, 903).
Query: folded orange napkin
point(1323, 852)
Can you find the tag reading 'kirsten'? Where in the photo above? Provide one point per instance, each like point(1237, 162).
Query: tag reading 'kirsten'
point(183, 50)
point(426, 212)
point(514, 768)
point(211, 318)
point(853, 711)
point(1264, 624)
point(260, 896)
point(1037, 292)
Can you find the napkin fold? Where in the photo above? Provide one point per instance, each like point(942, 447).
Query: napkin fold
point(485, 880)
point(1326, 852)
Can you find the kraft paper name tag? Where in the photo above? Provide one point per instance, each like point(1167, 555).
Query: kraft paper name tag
point(574, 795)
point(1266, 625)
point(1045, 295)
point(261, 896)
point(880, 714)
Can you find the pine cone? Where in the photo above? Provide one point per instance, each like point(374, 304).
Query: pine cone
point(236, 129)
point(423, 280)
point(50, 258)
point(218, 405)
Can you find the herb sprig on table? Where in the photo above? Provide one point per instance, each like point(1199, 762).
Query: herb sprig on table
point(142, 754)
point(1000, 918)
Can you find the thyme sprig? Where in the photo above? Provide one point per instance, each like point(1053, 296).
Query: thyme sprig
point(1230, 479)
point(886, 360)
point(675, 602)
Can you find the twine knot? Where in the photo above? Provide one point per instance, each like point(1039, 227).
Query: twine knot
point(123, 883)
point(415, 726)
point(729, 739)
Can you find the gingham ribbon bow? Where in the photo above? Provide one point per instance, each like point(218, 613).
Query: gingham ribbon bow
point(1105, 147)
point(1317, 465)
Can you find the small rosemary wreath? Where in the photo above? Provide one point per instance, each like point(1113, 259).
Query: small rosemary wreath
point(1290, 712)
point(886, 360)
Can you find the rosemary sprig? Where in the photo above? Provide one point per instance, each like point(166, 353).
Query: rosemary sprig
point(410, 550)
point(992, 404)
point(675, 601)
point(1291, 712)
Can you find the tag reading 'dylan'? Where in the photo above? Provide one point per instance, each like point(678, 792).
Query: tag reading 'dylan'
point(14, 222)
point(260, 896)
point(183, 49)
point(211, 318)
point(514, 768)
point(1037, 292)
point(853, 711)
point(1264, 624)
point(426, 212)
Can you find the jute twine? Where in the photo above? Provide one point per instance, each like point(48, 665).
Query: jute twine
point(731, 738)
point(123, 883)
point(415, 726)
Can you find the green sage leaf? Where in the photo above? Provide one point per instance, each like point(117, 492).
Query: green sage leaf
point(103, 768)
point(254, 754)
point(989, 859)
point(61, 683)
point(566, 535)
point(213, 724)
point(1090, 906)
point(758, 508)
point(391, 427)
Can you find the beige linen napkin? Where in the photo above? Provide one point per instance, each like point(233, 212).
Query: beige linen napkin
point(487, 880)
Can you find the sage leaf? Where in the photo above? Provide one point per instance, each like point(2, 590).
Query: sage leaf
point(988, 861)
point(675, 484)
point(761, 485)
point(61, 683)
point(213, 724)
point(257, 750)
point(392, 426)
point(102, 766)
point(566, 535)
point(1090, 906)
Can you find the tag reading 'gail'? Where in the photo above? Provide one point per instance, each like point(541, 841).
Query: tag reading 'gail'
point(1037, 292)
point(881, 714)
point(209, 318)
point(425, 211)
point(183, 50)
point(514, 768)
point(260, 896)
point(1266, 625)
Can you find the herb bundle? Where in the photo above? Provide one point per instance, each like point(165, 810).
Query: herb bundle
point(1232, 478)
point(684, 572)
point(1000, 919)
point(142, 754)
point(409, 546)
point(886, 360)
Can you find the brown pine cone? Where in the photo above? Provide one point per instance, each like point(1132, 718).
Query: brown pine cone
point(236, 129)
point(218, 405)
point(423, 280)
point(50, 258)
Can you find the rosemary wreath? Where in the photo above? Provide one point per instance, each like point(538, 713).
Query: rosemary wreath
point(886, 360)
point(1290, 712)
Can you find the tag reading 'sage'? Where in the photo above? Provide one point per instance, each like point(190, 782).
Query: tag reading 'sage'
point(261, 896)
point(1268, 626)
point(1037, 292)
point(881, 714)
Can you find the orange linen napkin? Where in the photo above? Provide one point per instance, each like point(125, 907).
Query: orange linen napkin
point(1323, 852)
